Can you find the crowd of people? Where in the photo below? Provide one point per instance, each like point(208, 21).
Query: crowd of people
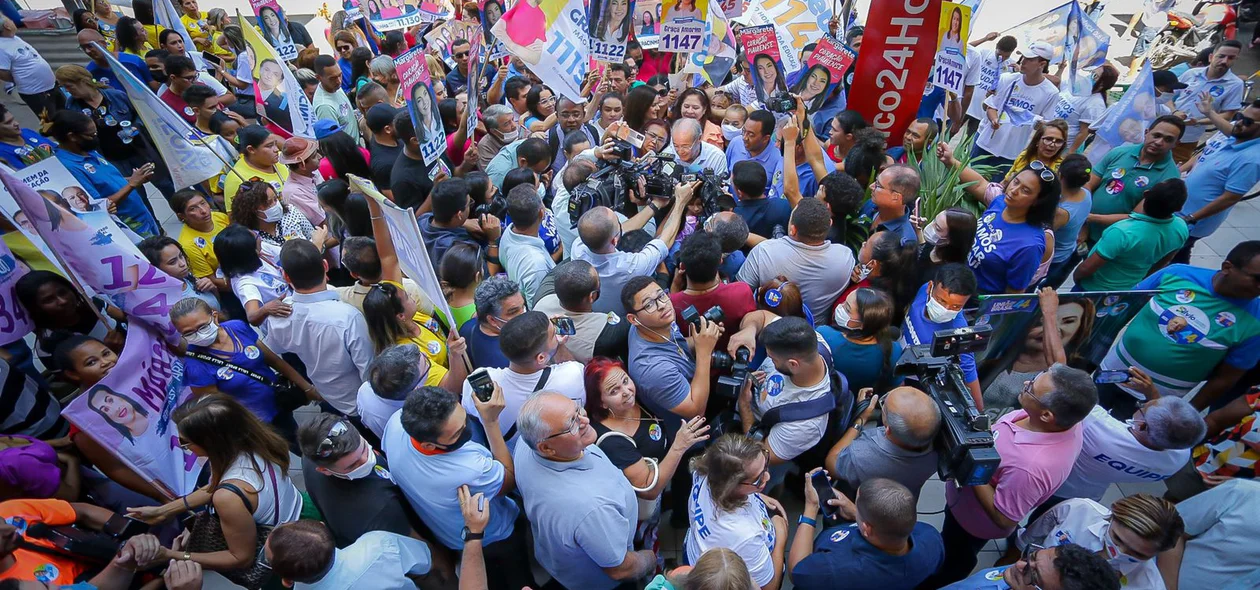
point(577, 380)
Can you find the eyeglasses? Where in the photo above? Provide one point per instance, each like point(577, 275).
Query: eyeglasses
point(345, 48)
point(461, 55)
point(183, 444)
point(190, 78)
point(1028, 387)
point(876, 185)
point(663, 91)
point(762, 478)
point(1030, 574)
point(1053, 141)
point(1244, 120)
point(655, 137)
point(1041, 169)
point(654, 304)
point(327, 446)
point(573, 425)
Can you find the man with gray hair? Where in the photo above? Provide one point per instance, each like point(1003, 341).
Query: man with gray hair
point(1039, 444)
point(900, 450)
point(584, 540)
point(502, 129)
point(393, 375)
point(692, 151)
point(497, 299)
point(522, 252)
point(1152, 446)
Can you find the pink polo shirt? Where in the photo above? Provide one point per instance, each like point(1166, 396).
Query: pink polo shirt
point(1034, 465)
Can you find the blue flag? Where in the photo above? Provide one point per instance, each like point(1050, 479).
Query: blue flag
point(1127, 120)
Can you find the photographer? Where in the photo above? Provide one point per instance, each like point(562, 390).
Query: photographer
point(938, 306)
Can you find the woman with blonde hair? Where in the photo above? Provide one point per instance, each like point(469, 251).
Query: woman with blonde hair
point(717, 569)
point(1047, 146)
point(729, 510)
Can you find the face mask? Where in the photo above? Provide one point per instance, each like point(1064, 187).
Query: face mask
point(273, 213)
point(1113, 551)
point(932, 237)
point(938, 313)
point(463, 438)
point(842, 318)
point(89, 144)
point(730, 132)
point(511, 136)
point(363, 470)
point(205, 336)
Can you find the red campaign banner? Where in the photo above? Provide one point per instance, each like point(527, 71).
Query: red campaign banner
point(761, 48)
point(894, 64)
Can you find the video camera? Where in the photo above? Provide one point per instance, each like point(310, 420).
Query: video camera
point(965, 444)
point(661, 173)
point(71, 541)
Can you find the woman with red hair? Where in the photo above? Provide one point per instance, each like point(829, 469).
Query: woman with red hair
point(635, 440)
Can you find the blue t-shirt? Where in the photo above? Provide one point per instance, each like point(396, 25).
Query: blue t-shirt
point(101, 179)
point(246, 354)
point(806, 181)
point(483, 349)
point(13, 154)
point(861, 364)
point(732, 263)
point(842, 553)
point(770, 158)
point(1224, 166)
point(662, 371)
point(987, 579)
point(763, 214)
point(134, 64)
point(1005, 255)
point(918, 329)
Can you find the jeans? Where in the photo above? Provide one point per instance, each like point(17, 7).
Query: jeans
point(507, 561)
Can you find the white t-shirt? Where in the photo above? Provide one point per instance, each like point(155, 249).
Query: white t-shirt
point(983, 69)
point(747, 531)
point(1084, 522)
point(1110, 454)
point(284, 492)
point(262, 285)
point(31, 74)
point(790, 439)
point(1079, 112)
point(1010, 139)
point(565, 379)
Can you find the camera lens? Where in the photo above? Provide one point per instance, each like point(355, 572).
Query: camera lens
point(742, 355)
point(715, 315)
point(721, 361)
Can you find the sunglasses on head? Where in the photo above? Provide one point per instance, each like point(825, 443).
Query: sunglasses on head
point(1041, 169)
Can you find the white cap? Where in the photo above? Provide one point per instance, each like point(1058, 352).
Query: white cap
point(1039, 49)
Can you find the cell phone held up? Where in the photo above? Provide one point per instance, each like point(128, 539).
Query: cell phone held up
point(823, 488)
point(564, 326)
point(1111, 377)
point(482, 385)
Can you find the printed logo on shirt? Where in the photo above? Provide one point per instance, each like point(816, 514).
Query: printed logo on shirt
point(1225, 319)
point(224, 373)
point(188, 111)
point(47, 573)
point(1062, 537)
point(987, 239)
point(774, 385)
point(382, 473)
point(613, 318)
point(654, 432)
point(104, 80)
point(1184, 324)
point(89, 167)
point(434, 348)
point(200, 242)
point(1216, 91)
point(839, 535)
point(252, 352)
point(994, 575)
point(1142, 181)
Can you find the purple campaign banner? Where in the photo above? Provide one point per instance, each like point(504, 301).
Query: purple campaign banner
point(14, 323)
point(129, 413)
point(102, 262)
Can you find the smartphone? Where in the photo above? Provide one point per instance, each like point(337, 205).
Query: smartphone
point(825, 493)
point(212, 59)
point(482, 385)
point(564, 326)
point(1112, 377)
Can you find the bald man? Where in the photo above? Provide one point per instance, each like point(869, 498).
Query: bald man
point(732, 231)
point(900, 450)
point(89, 39)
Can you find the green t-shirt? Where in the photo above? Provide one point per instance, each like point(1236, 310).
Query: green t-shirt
point(1123, 182)
point(463, 314)
point(1131, 247)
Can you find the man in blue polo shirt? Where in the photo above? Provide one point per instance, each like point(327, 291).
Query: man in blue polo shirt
point(99, 66)
point(1226, 170)
point(938, 306)
point(1120, 178)
point(890, 191)
point(885, 547)
point(755, 144)
point(798, 174)
point(1219, 82)
point(1047, 568)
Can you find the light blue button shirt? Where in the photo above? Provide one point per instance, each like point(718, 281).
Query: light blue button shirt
point(1224, 166)
point(378, 560)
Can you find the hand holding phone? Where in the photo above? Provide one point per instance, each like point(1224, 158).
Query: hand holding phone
point(822, 487)
point(564, 326)
point(482, 385)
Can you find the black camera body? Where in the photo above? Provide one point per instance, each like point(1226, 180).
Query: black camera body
point(736, 369)
point(692, 316)
point(965, 444)
point(496, 207)
point(781, 102)
point(661, 173)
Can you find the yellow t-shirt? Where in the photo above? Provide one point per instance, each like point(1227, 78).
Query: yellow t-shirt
point(1021, 162)
point(152, 32)
point(232, 182)
point(199, 246)
point(28, 252)
point(432, 345)
point(197, 27)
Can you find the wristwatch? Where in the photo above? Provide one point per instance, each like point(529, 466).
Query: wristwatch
point(467, 535)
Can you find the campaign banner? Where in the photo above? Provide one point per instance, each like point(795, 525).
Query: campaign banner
point(129, 413)
point(731, 8)
point(445, 34)
point(761, 48)
point(1057, 26)
point(682, 25)
point(799, 23)
point(413, 256)
point(17, 221)
point(951, 47)
point(647, 25)
point(413, 78)
point(190, 159)
point(1088, 324)
point(712, 63)
point(93, 248)
point(476, 68)
point(609, 25)
point(1127, 120)
point(550, 37)
point(388, 15)
point(275, 27)
point(491, 11)
point(894, 66)
point(823, 71)
point(14, 322)
point(167, 17)
point(276, 90)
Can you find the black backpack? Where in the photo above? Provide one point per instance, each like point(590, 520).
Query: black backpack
point(838, 407)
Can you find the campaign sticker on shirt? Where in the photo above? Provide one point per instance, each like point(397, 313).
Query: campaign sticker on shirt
point(200, 242)
point(1225, 319)
point(839, 535)
point(252, 352)
point(224, 373)
point(18, 523)
point(1114, 187)
point(104, 80)
point(188, 111)
point(1062, 537)
point(1184, 324)
point(87, 112)
point(1185, 296)
point(654, 432)
point(434, 348)
point(613, 318)
point(1216, 91)
point(47, 573)
point(774, 385)
point(1118, 173)
point(994, 575)
point(382, 473)
point(1142, 181)
point(89, 167)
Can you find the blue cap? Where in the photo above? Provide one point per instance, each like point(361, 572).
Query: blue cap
point(325, 127)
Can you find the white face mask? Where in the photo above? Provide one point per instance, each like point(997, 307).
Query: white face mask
point(511, 136)
point(273, 213)
point(730, 132)
point(205, 336)
point(842, 318)
point(931, 236)
point(938, 313)
point(1113, 551)
point(361, 471)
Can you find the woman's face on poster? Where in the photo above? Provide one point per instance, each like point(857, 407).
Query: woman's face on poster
point(767, 72)
point(1070, 319)
point(116, 409)
point(617, 10)
point(955, 22)
point(271, 20)
point(816, 84)
point(420, 97)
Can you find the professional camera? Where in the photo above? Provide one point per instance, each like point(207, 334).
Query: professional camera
point(496, 207)
point(692, 316)
point(661, 173)
point(736, 369)
point(965, 444)
point(781, 102)
point(92, 546)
